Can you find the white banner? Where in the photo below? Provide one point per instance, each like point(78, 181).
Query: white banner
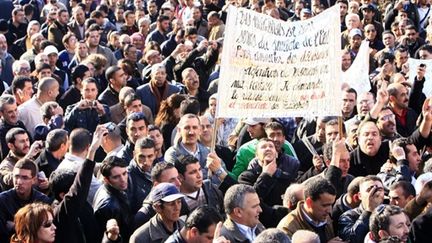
point(413, 65)
point(272, 68)
point(357, 76)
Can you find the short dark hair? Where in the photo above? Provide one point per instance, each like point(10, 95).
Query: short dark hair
point(202, 218)
point(158, 169)
point(351, 90)
point(42, 66)
point(380, 219)
point(235, 195)
point(10, 135)
point(47, 109)
point(19, 83)
point(153, 128)
point(27, 164)
point(80, 139)
point(190, 105)
point(109, 163)
point(162, 18)
point(403, 143)
point(130, 98)
point(91, 28)
point(55, 139)
point(407, 188)
point(109, 73)
point(425, 47)
point(6, 99)
point(144, 143)
point(61, 180)
point(317, 186)
point(137, 116)
point(79, 72)
point(96, 14)
point(328, 150)
point(190, 31)
point(274, 125)
point(183, 161)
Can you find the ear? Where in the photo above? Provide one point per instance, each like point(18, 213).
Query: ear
point(382, 234)
point(237, 211)
point(10, 146)
point(157, 208)
point(308, 202)
point(193, 232)
point(327, 162)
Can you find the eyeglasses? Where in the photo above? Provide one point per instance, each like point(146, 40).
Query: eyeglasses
point(388, 117)
point(47, 224)
point(24, 178)
point(369, 31)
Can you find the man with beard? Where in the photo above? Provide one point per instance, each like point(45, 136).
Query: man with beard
point(192, 88)
point(405, 116)
point(355, 39)
point(77, 25)
point(160, 33)
point(19, 144)
point(9, 120)
point(388, 221)
point(349, 98)
point(412, 40)
point(157, 89)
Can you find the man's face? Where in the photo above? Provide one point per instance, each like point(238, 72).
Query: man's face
point(190, 131)
point(353, 7)
point(320, 131)
point(52, 59)
point(424, 55)
point(159, 78)
point(266, 152)
point(367, 186)
point(21, 146)
point(27, 92)
point(82, 50)
point(20, 17)
point(170, 210)
point(355, 41)
point(352, 22)
point(346, 61)
point(144, 158)
point(196, 14)
point(135, 106)
point(33, 30)
point(157, 138)
point(80, 16)
point(412, 35)
point(413, 157)
point(119, 79)
point(278, 138)
point(3, 44)
point(118, 178)
point(387, 122)
point(54, 91)
point(365, 103)
point(191, 80)
point(349, 101)
point(255, 131)
point(93, 39)
point(343, 9)
point(206, 237)
point(213, 21)
point(23, 181)
point(331, 132)
point(152, 8)
point(44, 73)
point(164, 26)
point(401, 58)
point(369, 139)
point(63, 18)
point(399, 226)
point(10, 113)
point(171, 176)
point(344, 163)
point(401, 98)
point(192, 179)
point(398, 198)
point(212, 107)
point(130, 19)
point(251, 210)
point(89, 91)
point(136, 130)
point(368, 14)
point(388, 40)
point(322, 207)
point(206, 130)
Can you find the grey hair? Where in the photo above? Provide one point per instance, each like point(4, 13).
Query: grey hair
point(235, 195)
point(290, 194)
point(32, 23)
point(16, 66)
point(303, 236)
point(6, 99)
point(272, 235)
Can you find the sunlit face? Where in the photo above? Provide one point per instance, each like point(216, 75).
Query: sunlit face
point(349, 101)
point(190, 130)
point(387, 122)
point(399, 226)
point(157, 138)
point(136, 130)
point(118, 178)
point(159, 77)
point(192, 178)
point(251, 210)
point(369, 139)
point(266, 152)
point(331, 132)
point(89, 91)
point(46, 232)
point(144, 158)
point(321, 208)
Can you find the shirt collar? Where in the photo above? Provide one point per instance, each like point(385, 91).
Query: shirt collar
point(310, 220)
point(247, 231)
point(197, 152)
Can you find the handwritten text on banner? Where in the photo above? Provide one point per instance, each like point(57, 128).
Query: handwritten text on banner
point(272, 68)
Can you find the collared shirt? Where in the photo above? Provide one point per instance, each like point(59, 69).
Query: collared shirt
point(115, 151)
point(195, 154)
point(247, 231)
point(29, 113)
point(310, 220)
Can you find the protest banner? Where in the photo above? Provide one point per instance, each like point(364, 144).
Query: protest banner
point(272, 68)
point(357, 76)
point(413, 64)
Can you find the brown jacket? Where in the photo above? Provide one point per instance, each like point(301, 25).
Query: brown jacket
point(295, 221)
point(232, 233)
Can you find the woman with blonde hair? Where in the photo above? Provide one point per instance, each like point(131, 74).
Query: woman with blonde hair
point(34, 224)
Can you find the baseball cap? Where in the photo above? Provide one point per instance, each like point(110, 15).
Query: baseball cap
point(50, 50)
point(306, 11)
point(422, 180)
point(254, 121)
point(355, 32)
point(367, 7)
point(166, 192)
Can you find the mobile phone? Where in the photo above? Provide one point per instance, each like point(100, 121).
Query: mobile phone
point(41, 175)
point(110, 126)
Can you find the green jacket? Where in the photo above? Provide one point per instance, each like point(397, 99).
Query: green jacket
point(247, 152)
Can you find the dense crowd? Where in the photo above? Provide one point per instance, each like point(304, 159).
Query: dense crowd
point(108, 130)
